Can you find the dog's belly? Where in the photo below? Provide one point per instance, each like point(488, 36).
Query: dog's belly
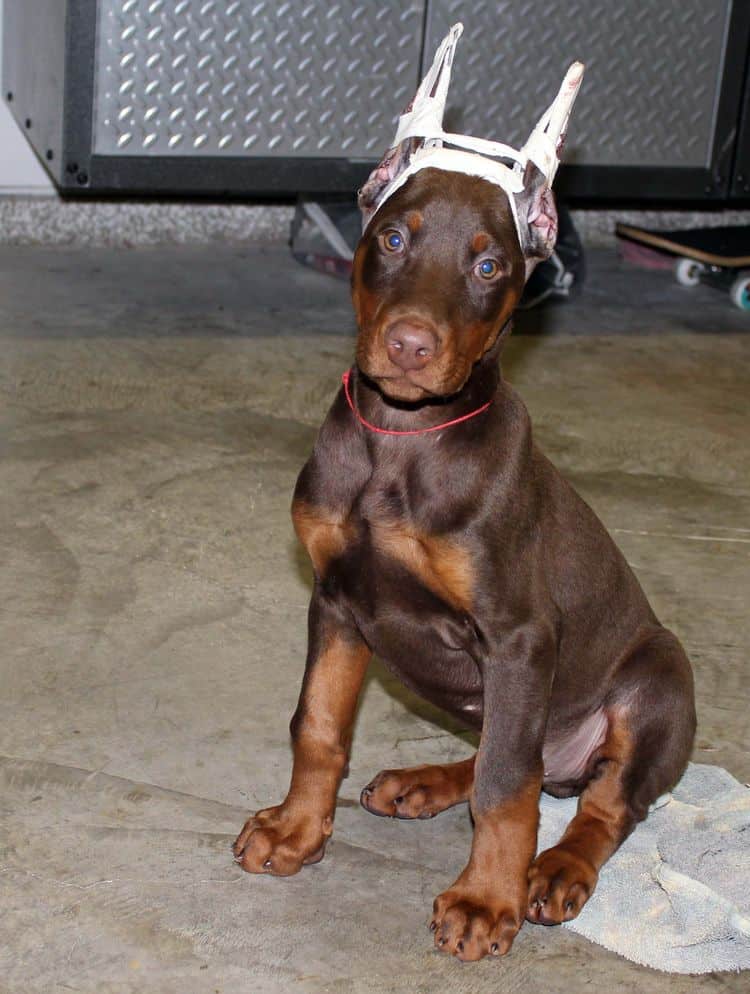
point(570, 754)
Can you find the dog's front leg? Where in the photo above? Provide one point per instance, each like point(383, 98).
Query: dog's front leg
point(280, 840)
point(483, 910)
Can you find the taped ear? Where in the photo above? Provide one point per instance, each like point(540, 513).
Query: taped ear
point(421, 143)
point(392, 164)
point(537, 216)
point(421, 119)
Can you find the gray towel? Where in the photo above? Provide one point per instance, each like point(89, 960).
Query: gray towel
point(676, 895)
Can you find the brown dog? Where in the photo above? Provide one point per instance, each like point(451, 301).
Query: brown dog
point(465, 561)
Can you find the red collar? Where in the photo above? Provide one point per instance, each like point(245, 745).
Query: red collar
point(417, 431)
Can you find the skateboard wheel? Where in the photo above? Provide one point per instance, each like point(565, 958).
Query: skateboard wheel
point(688, 272)
point(739, 291)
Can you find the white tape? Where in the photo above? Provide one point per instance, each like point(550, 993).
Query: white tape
point(439, 149)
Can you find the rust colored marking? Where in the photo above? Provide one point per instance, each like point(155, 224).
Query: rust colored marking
point(562, 878)
point(482, 911)
point(440, 563)
point(479, 242)
point(421, 791)
point(598, 827)
point(281, 840)
point(323, 534)
point(326, 716)
point(505, 839)
point(414, 221)
point(365, 302)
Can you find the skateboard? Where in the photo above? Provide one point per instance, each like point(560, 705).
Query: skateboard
point(719, 257)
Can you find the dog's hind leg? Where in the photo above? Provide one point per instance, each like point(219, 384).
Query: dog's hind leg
point(646, 748)
point(419, 792)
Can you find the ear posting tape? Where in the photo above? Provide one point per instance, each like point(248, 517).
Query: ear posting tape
point(422, 123)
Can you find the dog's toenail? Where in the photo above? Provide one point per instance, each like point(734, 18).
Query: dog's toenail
point(569, 905)
point(400, 799)
point(441, 942)
point(494, 949)
point(460, 945)
point(433, 925)
point(267, 865)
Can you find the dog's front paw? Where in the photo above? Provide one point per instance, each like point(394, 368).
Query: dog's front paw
point(282, 840)
point(472, 925)
point(560, 883)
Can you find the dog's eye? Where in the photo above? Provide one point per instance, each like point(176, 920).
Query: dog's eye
point(392, 240)
point(487, 269)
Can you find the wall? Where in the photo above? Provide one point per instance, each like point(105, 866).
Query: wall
point(20, 170)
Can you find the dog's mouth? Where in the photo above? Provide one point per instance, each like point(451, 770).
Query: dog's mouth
point(405, 394)
point(412, 386)
point(401, 387)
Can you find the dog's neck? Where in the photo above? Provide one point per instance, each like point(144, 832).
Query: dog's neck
point(390, 415)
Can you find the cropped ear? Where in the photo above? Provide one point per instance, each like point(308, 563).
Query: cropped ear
point(392, 164)
point(420, 120)
point(537, 216)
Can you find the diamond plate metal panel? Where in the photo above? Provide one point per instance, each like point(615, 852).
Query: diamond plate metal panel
point(247, 77)
point(652, 73)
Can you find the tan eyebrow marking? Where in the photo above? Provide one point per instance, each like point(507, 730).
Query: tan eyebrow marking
point(480, 241)
point(414, 221)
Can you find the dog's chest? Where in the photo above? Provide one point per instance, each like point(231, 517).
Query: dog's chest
point(409, 592)
point(411, 595)
point(361, 550)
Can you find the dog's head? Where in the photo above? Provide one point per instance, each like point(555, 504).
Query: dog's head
point(453, 226)
point(437, 274)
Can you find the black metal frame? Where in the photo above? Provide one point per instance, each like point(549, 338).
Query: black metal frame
point(690, 184)
point(78, 171)
point(672, 183)
point(740, 188)
point(230, 176)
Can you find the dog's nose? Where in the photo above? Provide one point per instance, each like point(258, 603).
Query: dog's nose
point(410, 345)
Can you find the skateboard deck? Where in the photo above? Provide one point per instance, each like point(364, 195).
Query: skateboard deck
point(728, 248)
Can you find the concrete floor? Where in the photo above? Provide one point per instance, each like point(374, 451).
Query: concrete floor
point(156, 407)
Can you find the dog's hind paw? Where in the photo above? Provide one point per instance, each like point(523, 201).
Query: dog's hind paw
point(560, 883)
point(420, 792)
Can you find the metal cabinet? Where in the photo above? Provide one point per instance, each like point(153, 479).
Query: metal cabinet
point(254, 98)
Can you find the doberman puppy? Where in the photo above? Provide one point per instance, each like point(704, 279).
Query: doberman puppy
point(470, 566)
